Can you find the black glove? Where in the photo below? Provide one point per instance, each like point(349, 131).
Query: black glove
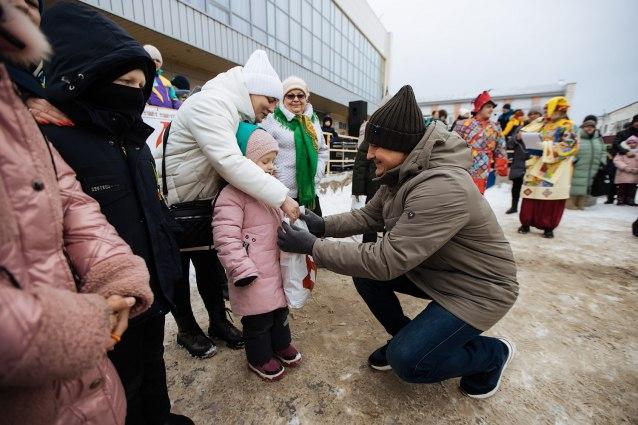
point(316, 224)
point(293, 239)
point(245, 281)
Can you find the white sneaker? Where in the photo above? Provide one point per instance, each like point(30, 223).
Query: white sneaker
point(510, 355)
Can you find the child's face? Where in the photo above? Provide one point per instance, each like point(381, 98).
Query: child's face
point(632, 144)
point(134, 78)
point(267, 163)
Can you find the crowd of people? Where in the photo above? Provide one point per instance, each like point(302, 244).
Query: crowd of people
point(97, 242)
point(567, 168)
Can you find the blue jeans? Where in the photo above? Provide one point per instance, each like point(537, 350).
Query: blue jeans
point(435, 345)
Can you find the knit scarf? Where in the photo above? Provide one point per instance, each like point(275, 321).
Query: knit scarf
point(306, 154)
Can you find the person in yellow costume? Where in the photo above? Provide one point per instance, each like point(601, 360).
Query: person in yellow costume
point(549, 170)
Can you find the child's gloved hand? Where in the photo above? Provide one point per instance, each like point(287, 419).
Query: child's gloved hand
point(316, 224)
point(293, 239)
point(245, 281)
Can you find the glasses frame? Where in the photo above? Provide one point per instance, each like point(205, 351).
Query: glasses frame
point(292, 96)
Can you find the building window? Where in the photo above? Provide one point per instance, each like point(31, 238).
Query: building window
point(260, 36)
point(295, 10)
point(258, 13)
point(240, 25)
point(217, 12)
point(282, 22)
point(282, 4)
point(295, 35)
point(197, 4)
point(271, 18)
point(283, 48)
point(325, 57)
point(306, 15)
point(241, 8)
point(326, 30)
point(316, 49)
point(307, 43)
point(316, 22)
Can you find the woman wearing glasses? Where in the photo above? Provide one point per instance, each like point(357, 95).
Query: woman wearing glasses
point(301, 162)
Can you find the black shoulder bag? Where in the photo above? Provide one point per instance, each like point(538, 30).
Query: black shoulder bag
point(194, 218)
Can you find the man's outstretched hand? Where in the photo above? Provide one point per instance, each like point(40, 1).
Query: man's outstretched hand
point(316, 224)
point(293, 239)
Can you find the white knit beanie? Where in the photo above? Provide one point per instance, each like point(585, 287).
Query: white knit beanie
point(153, 52)
point(294, 82)
point(259, 144)
point(260, 77)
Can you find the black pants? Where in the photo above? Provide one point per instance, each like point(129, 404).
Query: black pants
point(317, 208)
point(382, 300)
point(210, 278)
point(264, 334)
point(626, 193)
point(517, 184)
point(369, 237)
point(139, 360)
point(611, 189)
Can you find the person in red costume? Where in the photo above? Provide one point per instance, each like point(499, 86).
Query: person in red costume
point(485, 139)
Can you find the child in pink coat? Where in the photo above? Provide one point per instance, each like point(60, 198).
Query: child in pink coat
point(245, 236)
point(627, 172)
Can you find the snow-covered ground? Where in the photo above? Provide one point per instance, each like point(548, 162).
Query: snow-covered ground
point(574, 324)
point(335, 197)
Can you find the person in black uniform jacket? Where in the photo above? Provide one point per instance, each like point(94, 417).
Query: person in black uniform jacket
point(364, 181)
point(101, 77)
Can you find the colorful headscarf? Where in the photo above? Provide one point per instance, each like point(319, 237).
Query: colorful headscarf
point(558, 103)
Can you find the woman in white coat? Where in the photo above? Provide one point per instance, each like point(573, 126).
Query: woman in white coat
point(301, 162)
point(201, 151)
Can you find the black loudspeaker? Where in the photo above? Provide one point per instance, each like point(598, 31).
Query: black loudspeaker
point(357, 113)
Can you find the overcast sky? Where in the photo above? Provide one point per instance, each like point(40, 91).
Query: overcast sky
point(445, 48)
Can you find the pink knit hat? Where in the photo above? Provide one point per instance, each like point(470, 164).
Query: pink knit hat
point(259, 144)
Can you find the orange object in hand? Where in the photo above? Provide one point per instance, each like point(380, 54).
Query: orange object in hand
point(501, 167)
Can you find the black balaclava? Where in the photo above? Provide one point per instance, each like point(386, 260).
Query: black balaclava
point(123, 102)
point(119, 107)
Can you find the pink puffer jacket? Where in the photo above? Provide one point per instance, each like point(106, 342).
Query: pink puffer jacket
point(626, 167)
point(54, 331)
point(245, 236)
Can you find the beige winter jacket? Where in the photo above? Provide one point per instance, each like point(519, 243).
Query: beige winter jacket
point(440, 232)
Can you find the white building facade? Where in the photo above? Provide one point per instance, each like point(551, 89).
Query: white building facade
point(339, 47)
point(612, 122)
point(524, 98)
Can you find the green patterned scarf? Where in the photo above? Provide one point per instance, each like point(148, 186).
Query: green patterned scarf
point(306, 153)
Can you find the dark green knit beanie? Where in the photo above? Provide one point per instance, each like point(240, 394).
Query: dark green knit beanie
point(398, 125)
